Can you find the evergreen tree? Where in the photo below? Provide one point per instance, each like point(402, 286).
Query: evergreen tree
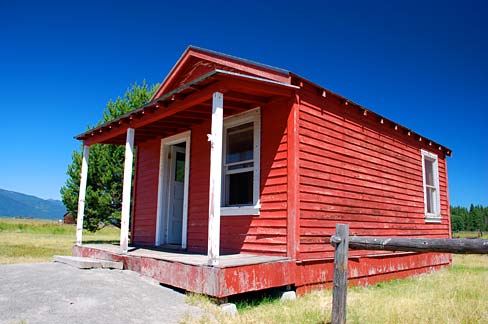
point(484, 218)
point(470, 220)
point(457, 223)
point(105, 168)
point(476, 218)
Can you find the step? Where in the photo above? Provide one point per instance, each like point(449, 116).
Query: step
point(87, 263)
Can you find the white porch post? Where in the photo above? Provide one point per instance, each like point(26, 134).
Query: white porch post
point(126, 190)
point(215, 178)
point(81, 195)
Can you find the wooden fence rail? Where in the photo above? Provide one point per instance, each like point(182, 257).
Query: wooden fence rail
point(343, 242)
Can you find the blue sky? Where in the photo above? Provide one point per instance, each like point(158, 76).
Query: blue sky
point(423, 64)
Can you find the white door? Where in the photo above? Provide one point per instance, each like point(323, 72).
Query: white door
point(176, 195)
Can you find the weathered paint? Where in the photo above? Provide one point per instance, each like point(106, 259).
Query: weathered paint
point(368, 270)
point(358, 171)
point(323, 161)
point(263, 234)
point(204, 279)
point(215, 178)
point(293, 174)
point(226, 281)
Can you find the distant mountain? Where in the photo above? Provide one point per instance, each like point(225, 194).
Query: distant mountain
point(17, 204)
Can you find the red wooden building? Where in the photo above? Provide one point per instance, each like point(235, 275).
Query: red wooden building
point(242, 171)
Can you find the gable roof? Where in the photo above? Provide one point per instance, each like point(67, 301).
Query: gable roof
point(234, 66)
point(227, 62)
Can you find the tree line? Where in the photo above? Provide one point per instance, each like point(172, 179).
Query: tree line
point(473, 218)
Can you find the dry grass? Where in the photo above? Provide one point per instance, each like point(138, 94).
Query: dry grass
point(455, 295)
point(312, 308)
point(469, 234)
point(29, 240)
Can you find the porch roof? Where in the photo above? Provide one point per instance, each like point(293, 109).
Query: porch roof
point(178, 109)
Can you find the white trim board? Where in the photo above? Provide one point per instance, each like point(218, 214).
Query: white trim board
point(126, 190)
point(82, 194)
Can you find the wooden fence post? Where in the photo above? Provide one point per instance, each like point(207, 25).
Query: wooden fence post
point(342, 242)
point(339, 294)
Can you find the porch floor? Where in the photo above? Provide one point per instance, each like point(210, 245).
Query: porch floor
point(235, 274)
point(225, 261)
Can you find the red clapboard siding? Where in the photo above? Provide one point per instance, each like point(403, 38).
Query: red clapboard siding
point(356, 171)
point(146, 195)
point(263, 234)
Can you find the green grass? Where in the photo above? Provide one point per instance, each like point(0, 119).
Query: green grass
point(30, 240)
point(457, 294)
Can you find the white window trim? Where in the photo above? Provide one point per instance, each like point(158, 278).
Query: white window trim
point(254, 116)
point(436, 216)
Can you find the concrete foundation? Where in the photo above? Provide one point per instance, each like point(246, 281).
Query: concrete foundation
point(87, 263)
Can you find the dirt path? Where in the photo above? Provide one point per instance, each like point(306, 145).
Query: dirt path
point(58, 293)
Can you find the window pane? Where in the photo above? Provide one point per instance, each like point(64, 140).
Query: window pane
point(180, 167)
point(429, 172)
point(241, 166)
point(240, 143)
point(240, 187)
point(430, 200)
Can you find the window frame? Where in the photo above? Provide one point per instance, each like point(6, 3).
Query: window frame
point(436, 215)
point(250, 116)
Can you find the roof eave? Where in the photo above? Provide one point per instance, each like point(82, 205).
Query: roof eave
point(384, 119)
point(192, 83)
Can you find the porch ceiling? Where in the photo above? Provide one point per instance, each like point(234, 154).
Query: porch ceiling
point(189, 104)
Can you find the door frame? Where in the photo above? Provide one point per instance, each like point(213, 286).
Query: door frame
point(163, 188)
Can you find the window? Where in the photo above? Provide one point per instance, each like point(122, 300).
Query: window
point(240, 164)
point(431, 186)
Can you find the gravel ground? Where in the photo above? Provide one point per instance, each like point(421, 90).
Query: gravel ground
point(58, 293)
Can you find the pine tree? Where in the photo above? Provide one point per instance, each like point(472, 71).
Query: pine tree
point(106, 168)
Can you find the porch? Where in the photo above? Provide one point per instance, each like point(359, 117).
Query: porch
point(161, 205)
point(235, 273)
